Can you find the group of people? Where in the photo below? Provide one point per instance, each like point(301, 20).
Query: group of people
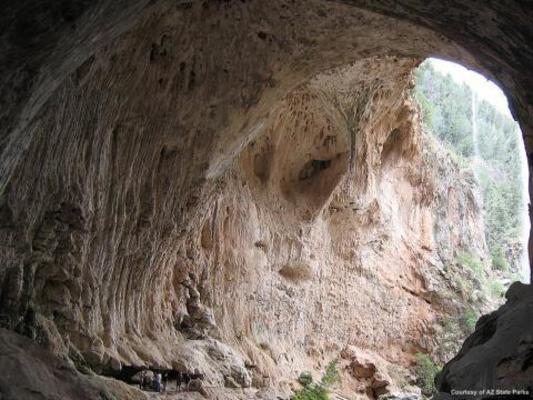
point(158, 382)
point(151, 381)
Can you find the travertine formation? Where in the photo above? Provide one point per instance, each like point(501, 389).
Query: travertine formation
point(237, 186)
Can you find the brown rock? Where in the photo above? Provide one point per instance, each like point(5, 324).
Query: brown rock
point(379, 385)
point(196, 385)
point(360, 370)
point(379, 381)
point(142, 141)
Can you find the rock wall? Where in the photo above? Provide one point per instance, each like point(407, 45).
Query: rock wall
point(159, 204)
point(333, 229)
point(496, 359)
point(340, 207)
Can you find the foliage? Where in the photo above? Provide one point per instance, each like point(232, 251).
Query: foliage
point(447, 111)
point(320, 390)
point(445, 108)
point(426, 369)
point(469, 320)
point(496, 289)
point(465, 286)
point(331, 375)
point(312, 392)
point(305, 379)
point(498, 259)
point(471, 262)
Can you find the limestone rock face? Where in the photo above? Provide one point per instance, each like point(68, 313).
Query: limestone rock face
point(102, 252)
point(338, 207)
point(184, 184)
point(497, 356)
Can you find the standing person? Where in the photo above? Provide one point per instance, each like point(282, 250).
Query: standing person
point(165, 382)
point(186, 378)
point(157, 382)
point(178, 381)
point(141, 380)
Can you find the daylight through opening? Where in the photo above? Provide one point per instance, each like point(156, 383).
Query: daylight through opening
point(466, 120)
point(469, 116)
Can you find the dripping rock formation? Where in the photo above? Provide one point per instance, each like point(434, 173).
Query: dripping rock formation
point(240, 187)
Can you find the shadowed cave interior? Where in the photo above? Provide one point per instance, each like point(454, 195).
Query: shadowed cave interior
point(243, 188)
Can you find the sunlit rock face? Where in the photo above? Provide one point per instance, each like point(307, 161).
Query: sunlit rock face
point(318, 225)
point(337, 207)
point(185, 185)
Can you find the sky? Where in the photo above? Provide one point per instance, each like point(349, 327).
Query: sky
point(485, 89)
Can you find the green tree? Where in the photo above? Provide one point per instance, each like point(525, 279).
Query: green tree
point(320, 390)
point(426, 369)
point(447, 114)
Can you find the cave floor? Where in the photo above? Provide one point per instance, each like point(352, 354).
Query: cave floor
point(212, 393)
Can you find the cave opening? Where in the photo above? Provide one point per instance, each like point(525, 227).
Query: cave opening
point(255, 189)
point(470, 117)
point(466, 120)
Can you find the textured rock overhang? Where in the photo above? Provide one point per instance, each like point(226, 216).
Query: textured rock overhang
point(119, 117)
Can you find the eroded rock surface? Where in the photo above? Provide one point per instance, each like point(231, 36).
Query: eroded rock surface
point(498, 355)
point(339, 205)
point(184, 185)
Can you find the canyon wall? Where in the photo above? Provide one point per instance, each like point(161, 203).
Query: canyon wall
point(331, 236)
point(339, 208)
point(182, 184)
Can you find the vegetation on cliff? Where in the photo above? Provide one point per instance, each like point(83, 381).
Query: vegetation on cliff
point(426, 369)
point(318, 390)
point(485, 145)
point(481, 138)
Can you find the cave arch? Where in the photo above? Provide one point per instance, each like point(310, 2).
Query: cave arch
point(127, 177)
